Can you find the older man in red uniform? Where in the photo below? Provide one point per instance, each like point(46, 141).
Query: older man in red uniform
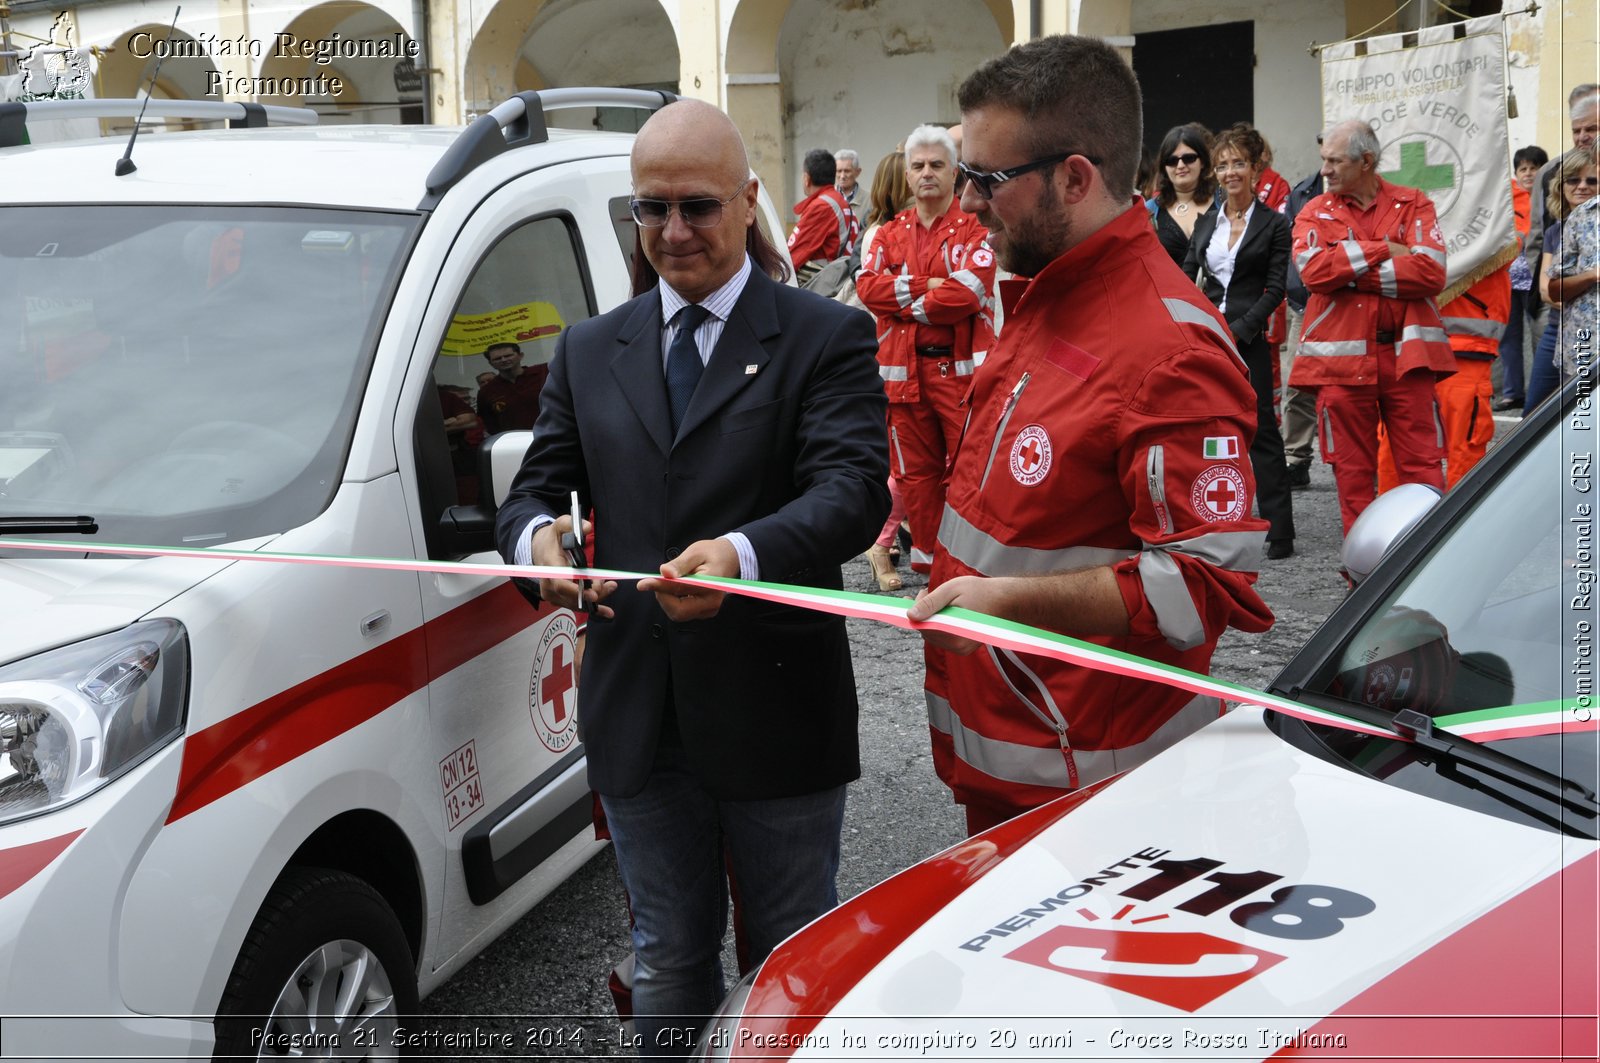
point(929, 278)
point(1372, 257)
point(1102, 487)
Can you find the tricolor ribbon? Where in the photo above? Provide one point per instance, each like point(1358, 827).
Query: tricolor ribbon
point(1508, 721)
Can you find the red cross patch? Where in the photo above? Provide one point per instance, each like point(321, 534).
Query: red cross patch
point(553, 691)
point(1030, 455)
point(1220, 494)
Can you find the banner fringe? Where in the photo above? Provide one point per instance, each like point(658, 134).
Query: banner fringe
point(1496, 261)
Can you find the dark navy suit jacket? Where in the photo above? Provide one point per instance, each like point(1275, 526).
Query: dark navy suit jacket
point(785, 441)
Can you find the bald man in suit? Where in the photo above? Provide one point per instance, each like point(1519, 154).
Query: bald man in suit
point(721, 423)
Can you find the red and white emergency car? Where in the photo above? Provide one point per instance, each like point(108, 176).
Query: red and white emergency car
point(1416, 878)
point(255, 788)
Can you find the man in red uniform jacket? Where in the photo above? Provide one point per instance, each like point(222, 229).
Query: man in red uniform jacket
point(1102, 487)
point(827, 228)
point(929, 278)
point(1372, 257)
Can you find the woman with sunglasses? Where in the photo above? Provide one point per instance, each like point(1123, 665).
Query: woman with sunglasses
point(1186, 187)
point(1240, 258)
point(1575, 183)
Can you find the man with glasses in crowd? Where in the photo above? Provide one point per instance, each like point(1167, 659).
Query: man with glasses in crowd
point(929, 278)
point(719, 424)
point(1103, 487)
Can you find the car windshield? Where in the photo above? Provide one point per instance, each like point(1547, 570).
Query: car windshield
point(183, 374)
point(1496, 622)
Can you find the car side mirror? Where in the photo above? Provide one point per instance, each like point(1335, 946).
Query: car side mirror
point(470, 529)
point(1382, 524)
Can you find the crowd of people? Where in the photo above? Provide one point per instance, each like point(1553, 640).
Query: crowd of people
point(1069, 396)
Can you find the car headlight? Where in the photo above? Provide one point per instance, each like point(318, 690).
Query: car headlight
point(73, 719)
point(717, 1040)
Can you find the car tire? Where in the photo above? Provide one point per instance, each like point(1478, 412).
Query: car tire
point(325, 966)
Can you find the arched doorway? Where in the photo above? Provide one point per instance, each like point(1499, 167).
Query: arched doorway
point(863, 76)
point(125, 68)
point(377, 81)
point(563, 43)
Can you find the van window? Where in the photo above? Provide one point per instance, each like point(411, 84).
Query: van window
point(529, 289)
point(186, 375)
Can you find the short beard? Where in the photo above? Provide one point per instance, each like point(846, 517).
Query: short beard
point(1027, 254)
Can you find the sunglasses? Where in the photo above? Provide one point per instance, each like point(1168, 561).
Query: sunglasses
point(985, 182)
point(1188, 158)
point(698, 213)
point(1590, 182)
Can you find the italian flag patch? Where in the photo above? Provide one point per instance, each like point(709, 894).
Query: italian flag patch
point(1221, 448)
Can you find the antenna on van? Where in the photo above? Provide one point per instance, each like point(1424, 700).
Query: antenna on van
point(125, 164)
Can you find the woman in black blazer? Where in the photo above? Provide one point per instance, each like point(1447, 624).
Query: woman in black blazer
point(1239, 255)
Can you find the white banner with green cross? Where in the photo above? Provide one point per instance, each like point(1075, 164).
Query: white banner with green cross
point(1437, 99)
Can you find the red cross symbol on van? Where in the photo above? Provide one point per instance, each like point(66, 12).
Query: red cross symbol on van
point(554, 688)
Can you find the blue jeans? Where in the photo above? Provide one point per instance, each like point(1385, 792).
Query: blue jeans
point(1511, 349)
point(1546, 378)
point(673, 841)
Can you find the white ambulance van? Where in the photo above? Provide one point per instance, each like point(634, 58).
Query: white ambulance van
point(260, 788)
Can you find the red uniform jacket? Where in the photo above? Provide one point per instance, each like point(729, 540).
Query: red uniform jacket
point(1357, 286)
point(826, 229)
point(893, 283)
point(1111, 425)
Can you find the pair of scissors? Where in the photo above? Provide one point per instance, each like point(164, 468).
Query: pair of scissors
point(572, 543)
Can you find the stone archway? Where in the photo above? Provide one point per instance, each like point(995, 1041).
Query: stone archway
point(862, 77)
point(622, 43)
point(754, 95)
point(376, 81)
point(523, 45)
point(126, 68)
point(490, 72)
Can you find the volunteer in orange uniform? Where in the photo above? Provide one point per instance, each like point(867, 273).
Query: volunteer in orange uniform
point(1102, 487)
point(929, 277)
point(1476, 320)
point(1372, 257)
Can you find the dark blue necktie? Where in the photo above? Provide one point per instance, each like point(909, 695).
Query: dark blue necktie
point(683, 362)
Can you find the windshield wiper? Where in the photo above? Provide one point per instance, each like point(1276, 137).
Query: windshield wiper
point(47, 525)
point(1417, 729)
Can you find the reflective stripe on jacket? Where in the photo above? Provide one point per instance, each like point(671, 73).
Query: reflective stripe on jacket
point(1352, 276)
point(1111, 427)
point(1476, 319)
point(893, 284)
point(827, 228)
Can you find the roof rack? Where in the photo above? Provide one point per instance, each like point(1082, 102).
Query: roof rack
point(518, 122)
point(14, 116)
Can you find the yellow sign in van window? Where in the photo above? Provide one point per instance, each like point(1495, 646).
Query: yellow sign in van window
point(471, 334)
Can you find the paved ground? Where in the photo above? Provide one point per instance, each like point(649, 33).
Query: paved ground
point(547, 975)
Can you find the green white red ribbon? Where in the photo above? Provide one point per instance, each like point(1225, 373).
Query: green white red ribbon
point(1510, 721)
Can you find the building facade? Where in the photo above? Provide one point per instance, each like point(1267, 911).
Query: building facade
point(793, 74)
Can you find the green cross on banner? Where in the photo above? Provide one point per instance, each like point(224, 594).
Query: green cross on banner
point(1416, 172)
